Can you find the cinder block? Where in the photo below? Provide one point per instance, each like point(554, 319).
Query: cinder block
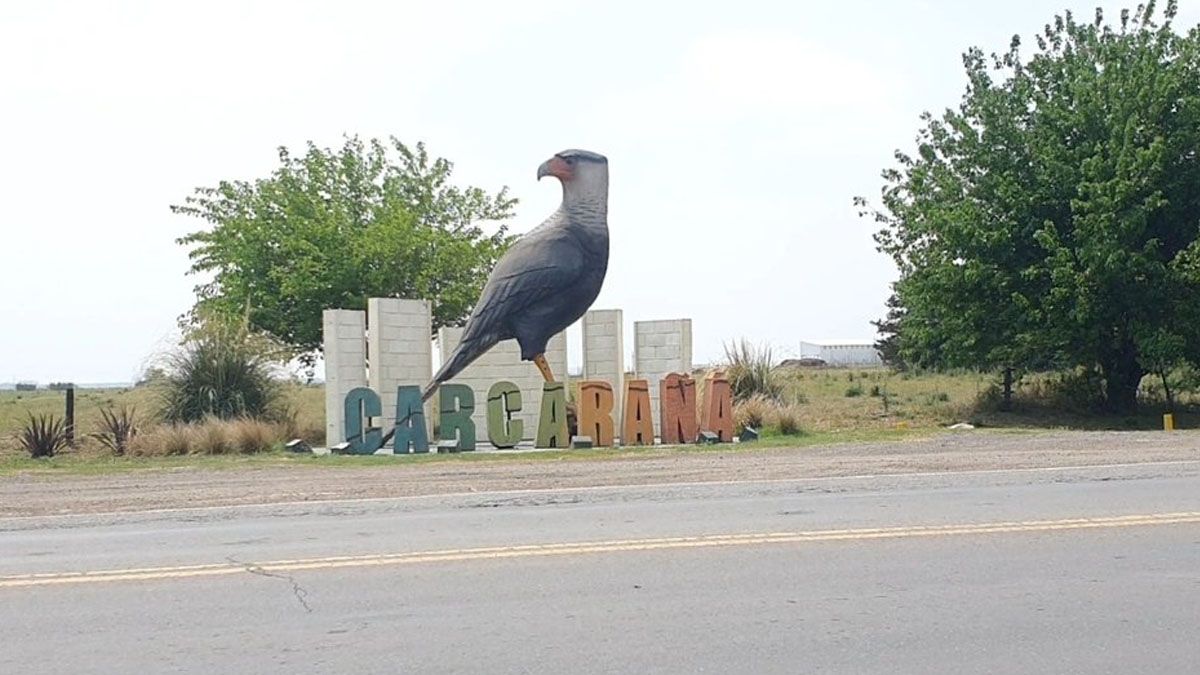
point(395, 358)
point(503, 363)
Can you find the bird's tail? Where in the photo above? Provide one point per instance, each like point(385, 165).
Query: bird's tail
point(464, 354)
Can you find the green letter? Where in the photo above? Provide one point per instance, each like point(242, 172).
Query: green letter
point(504, 399)
point(552, 422)
point(410, 422)
point(456, 405)
point(362, 402)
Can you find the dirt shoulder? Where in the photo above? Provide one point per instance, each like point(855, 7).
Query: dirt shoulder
point(41, 495)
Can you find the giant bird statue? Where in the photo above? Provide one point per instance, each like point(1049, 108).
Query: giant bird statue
point(549, 277)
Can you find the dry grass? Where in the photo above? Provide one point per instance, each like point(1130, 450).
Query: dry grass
point(210, 437)
point(305, 419)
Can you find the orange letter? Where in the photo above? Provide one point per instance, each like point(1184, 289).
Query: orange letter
point(595, 412)
point(639, 426)
point(718, 417)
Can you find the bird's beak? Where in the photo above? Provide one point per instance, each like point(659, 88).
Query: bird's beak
point(555, 166)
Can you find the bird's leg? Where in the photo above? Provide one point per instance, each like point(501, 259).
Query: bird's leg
point(540, 361)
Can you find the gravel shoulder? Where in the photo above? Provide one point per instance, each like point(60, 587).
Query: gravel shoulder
point(45, 495)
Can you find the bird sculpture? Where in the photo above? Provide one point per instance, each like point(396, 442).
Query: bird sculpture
point(549, 277)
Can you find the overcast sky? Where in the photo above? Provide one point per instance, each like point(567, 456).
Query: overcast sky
point(737, 135)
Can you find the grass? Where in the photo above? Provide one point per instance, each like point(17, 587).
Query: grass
point(890, 405)
point(87, 464)
point(307, 406)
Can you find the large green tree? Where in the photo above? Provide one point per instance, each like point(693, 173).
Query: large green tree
point(1051, 219)
point(334, 227)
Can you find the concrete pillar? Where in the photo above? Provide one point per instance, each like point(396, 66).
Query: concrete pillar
point(660, 348)
point(604, 353)
point(344, 333)
point(399, 350)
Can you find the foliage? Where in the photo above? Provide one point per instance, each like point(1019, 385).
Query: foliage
point(1050, 221)
point(753, 412)
point(43, 436)
point(751, 371)
point(222, 370)
point(117, 429)
point(787, 420)
point(334, 227)
point(888, 329)
point(210, 437)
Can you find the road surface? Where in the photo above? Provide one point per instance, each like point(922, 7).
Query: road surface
point(1081, 570)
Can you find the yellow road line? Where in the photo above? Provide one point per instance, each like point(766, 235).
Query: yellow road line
point(580, 548)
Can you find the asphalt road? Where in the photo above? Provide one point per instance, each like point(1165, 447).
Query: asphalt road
point(1063, 571)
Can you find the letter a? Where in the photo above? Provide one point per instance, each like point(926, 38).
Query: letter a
point(410, 422)
point(638, 428)
point(552, 422)
point(718, 414)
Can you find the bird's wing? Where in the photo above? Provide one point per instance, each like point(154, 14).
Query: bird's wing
point(535, 268)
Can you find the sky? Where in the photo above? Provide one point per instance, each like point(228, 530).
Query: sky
point(738, 134)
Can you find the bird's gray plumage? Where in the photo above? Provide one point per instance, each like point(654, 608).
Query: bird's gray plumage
point(549, 277)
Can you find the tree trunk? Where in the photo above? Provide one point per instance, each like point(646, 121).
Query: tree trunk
point(1122, 376)
point(1006, 403)
point(1167, 391)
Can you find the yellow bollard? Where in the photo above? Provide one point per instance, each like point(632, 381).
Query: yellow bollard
point(1168, 422)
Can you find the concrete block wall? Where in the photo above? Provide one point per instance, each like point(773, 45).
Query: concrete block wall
point(604, 353)
point(661, 348)
point(399, 350)
point(344, 333)
point(503, 362)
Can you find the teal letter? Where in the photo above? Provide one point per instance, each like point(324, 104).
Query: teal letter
point(456, 405)
point(410, 422)
point(362, 402)
point(504, 399)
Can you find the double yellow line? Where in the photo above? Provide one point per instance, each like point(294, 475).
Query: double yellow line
point(581, 548)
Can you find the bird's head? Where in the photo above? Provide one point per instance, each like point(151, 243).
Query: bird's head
point(577, 169)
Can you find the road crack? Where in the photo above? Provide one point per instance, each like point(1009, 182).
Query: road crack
point(297, 590)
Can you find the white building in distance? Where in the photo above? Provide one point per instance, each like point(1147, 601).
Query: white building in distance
point(842, 352)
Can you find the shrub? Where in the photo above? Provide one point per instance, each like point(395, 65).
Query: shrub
point(210, 437)
point(854, 391)
point(221, 371)
point(167, 440)
point(117, 429)
point(751, 372)
point(43, 436)
point(754, 412)
point(787, 420)
point(249, 436)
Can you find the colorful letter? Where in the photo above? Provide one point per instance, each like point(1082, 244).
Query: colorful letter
point(638, 428)
point(595, 412)
point(552, 421)
point(504, 399)
point(362, 402)
point(410, 422)
point(456, 405)
point(677, 409)
point(718, 414)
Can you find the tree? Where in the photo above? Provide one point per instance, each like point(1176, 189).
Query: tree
point(332, 228)
point(1051, 219)
point(888, 328)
